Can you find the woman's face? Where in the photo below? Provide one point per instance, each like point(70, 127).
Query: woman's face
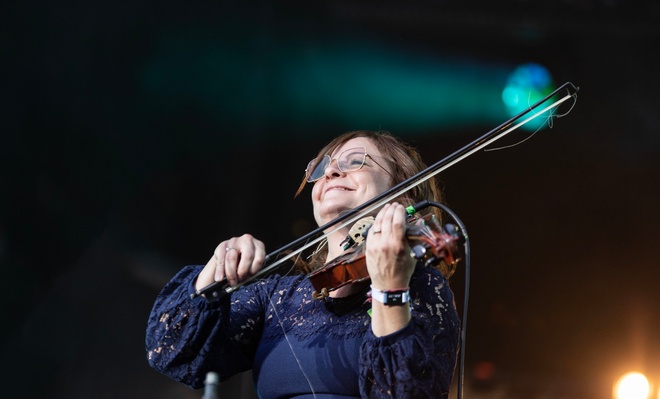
point(337, 192)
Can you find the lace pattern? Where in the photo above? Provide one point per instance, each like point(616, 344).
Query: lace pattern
point(187, 337)
point(293, 310)
point(417, 361)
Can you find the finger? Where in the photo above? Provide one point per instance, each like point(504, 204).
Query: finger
point(377, 226)
point(398, 221)
point(248, 259)
point(386, 219)
point(231, 261)
point(219, 260)
point(259, 257)
point(231, 257)
point(247, 249)
point(392, 226)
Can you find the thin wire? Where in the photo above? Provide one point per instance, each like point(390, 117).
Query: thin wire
point(293, 352)
point(504, 147)
point(286, 336)
point(318, 248)
point(549, 122)
point(466, 295)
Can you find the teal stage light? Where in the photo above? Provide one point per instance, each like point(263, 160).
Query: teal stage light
point(526, 85)
point(339, 83)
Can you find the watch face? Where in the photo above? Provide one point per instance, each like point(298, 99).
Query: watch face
point(391, 298)
point(394, 298)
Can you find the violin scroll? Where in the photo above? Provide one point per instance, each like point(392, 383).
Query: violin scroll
point(443, 246)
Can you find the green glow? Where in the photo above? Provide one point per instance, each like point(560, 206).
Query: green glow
point(351, 84)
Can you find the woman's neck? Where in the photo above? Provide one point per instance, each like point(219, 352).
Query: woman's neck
point(334, 244)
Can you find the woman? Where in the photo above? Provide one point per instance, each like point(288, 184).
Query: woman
point(343, 346)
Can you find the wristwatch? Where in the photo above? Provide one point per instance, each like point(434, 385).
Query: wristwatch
point(391, 297)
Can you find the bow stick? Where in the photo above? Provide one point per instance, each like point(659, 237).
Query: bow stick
point(219, 289)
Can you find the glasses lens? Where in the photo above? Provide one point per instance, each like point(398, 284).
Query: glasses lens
point(314, 170)
point(348, 161)
point(352, 159)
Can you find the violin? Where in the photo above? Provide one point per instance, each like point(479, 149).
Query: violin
point(429, 243)
point(273, 261)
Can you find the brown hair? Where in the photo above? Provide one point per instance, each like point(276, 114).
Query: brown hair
point(402, 160)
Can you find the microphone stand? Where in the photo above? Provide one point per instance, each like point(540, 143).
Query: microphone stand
point(211, 386)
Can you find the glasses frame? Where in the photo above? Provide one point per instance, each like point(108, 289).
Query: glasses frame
point(311, 166)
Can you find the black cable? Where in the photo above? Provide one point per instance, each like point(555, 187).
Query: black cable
point(463, 229)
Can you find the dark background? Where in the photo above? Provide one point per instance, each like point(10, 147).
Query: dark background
point(137, 136)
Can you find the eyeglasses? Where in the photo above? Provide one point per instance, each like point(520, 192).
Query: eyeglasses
point(348, 161)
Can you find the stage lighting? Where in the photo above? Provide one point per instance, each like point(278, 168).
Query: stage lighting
point(632, 385)
point(526, 85)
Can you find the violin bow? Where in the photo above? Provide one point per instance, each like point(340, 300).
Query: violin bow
point(219, 289)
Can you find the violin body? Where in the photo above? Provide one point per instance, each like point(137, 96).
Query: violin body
point(429, 243)
point(348, 269)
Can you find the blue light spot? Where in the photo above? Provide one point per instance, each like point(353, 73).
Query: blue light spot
point(526, 85)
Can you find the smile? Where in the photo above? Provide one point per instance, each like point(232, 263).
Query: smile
point(340, 188)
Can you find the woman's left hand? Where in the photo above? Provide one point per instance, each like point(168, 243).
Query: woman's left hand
point(389, 262)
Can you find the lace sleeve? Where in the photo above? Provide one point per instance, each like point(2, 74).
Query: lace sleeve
point(186, 338)
point(417, 361)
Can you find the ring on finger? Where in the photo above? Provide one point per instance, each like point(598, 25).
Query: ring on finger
point(230, 248)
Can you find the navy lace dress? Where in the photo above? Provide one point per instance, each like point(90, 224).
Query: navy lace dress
point(297, 347)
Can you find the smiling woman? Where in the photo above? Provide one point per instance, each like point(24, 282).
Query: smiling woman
point(342, 186)
point(358, 341)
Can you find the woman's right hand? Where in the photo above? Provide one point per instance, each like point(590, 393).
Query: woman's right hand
point(235, 259)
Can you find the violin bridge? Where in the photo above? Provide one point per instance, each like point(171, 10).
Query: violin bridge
point(358, 233)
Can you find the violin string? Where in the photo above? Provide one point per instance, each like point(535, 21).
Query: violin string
point(427, 231)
